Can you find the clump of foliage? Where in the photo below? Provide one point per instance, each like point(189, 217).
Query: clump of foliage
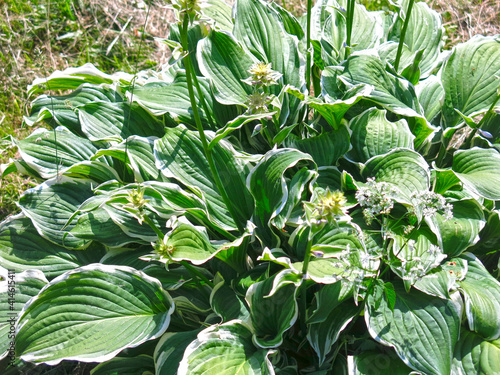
point(287, 196)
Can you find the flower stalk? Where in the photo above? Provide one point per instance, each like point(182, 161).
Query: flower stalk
point(403, 34)
point(208, 153)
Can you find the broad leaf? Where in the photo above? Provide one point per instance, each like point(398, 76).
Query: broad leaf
point(50, 206)
point(430, 93)
point(478, 168)
point(372, 135)
point(226, 303)
point(470, 78)
point(401, 167)
point(482, 299)
point(474, 355)
point(51, 152)
point(371, 362)
point(267, 184)
point(170, 350)
point(22, 249)
point(15, 290)
point(142, 364)
point(91, 314)
point(226, 63)
point(422, 329)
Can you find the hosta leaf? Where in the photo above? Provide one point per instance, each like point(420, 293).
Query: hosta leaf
point(223, 350)
point(372, 135)
point(325, 148)
point(334, 311)
point(221, 13)
point(478, 168)
point(258, 27)
point(273, 314)
point(142, 364)
point(474, 355)
point(101, 121)
point(61, 110)
point(430, 93)
point(186, 242)
point(51, 152)
point(51, 204)
point(381, 362)
point(173, 99)
point(470, 78)
point(482, 299)
point(227, 304)
point(22, 249)
point(137, 152)
point(425, 31)
point(179, 155)
point(226, 63)
point(442, 280)
point(269, 189)
point(455, 235)
point(92, 170)
point(15, 291)
point(170, 350)
point(70, 78)
point(422, 329)
point(91, 314)
point(401, 167)
point(392, 93)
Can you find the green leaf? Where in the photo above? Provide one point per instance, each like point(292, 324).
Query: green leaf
point(220, 13)
point(371, 362)
point(482, 299)
point(478, 168)
point(372, 135)
point(404, 168)
point(50, 206)
point(256, 24)
point(102, 121)
point(422, 329)
point(390, 92)
point(61, 110)
point(227, 304)
point(91, 314)
point(390, 295)
point(325, 148)
point(15, 290)
point(474, 355)
point(226, 63)
point(430, 93)
point(142, 364)
point(225, 349)
point(186, 242)
point(179, 155)
point(455, 235)
point(267, 184)
point(71, 78)
point(335, 309)
point(170, 350)
point(442, 280)
point(23, 249)
point(50, 152)
point(173, 99)
point(273, 307)
point(425, 32)
point(138, 154)
point(470, 78)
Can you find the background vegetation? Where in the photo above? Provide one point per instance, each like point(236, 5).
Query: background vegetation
point(38, 37)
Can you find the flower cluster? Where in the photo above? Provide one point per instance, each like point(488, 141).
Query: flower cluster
point(429, 203)
point(191, 8)
point(325, 206)
point(261, 74)
point(136, 203)
point(258, 102)
point(376, 198)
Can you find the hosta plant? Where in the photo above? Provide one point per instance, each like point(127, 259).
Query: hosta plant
point(313, 195)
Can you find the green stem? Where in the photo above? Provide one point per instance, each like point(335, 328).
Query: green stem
point(196, 114)
point(308, 46)
point(403, 34)
point(158, 232)
point(303, 288)
point(349, 21)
